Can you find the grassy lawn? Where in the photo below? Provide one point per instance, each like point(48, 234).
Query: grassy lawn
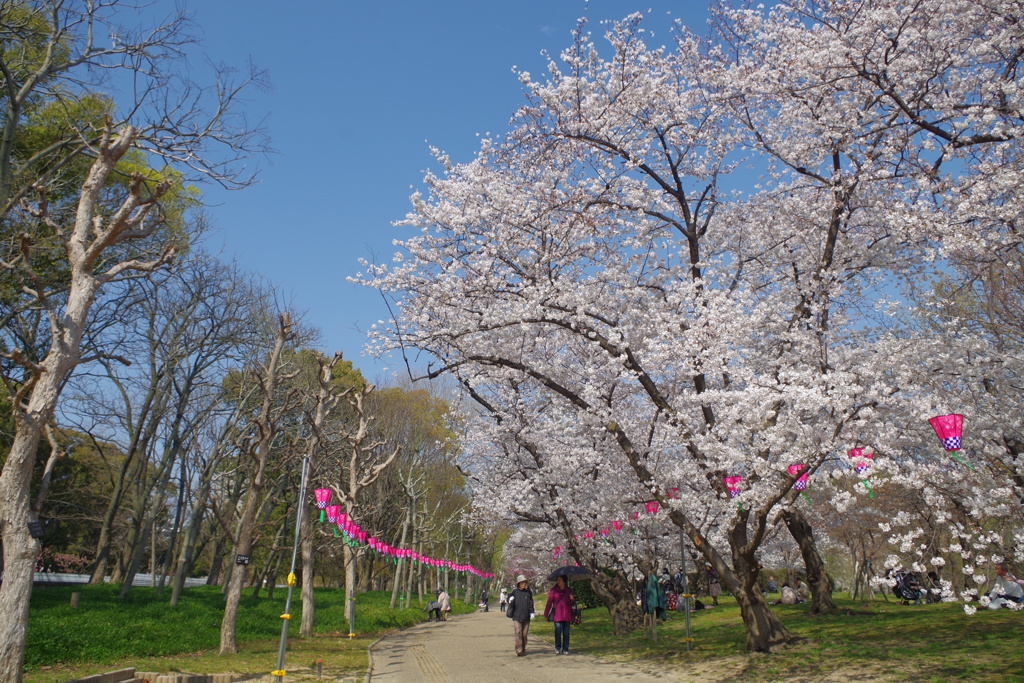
point(863, 641)
point(142, 631)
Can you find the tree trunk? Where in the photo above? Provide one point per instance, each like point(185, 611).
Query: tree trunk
point(308, 607)
point(246, 527)
point(401, 562)
point(618, 597)
point(350, 588)
point(764, 630)
point(817, 577)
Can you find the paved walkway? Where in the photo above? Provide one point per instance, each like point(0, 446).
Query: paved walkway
point(478, 647)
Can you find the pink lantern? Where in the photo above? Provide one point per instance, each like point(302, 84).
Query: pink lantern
point(588, 534)
point(652, 507)
point(556, 552)
point(949, 429)
point(605, 532)
point(860, 463)
point(636, 514)
point(323, 497)
point(673, 494)
point(801, 483)
point(617, 525)
point(732, 485)
point(332, 513)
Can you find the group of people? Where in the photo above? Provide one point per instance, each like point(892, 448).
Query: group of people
point(519, 606)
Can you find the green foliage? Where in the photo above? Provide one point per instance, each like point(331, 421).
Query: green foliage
point(585, 596)
point(107, 629)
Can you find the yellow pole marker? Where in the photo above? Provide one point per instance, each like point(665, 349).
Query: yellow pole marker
point(279, 673)
point(291, 579)
point(286, 616)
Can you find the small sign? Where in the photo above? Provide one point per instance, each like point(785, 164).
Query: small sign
point(241, 559)
point(35, 529)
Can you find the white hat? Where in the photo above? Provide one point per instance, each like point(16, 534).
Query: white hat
point(520, 579)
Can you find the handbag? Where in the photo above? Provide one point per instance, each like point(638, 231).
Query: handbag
point(551, 615)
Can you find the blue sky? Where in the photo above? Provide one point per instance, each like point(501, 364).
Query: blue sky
point(361, 90)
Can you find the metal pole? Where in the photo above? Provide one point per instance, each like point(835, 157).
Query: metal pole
point(287, 616)
point(686, 592)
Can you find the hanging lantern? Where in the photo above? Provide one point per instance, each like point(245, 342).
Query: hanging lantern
point(556, 552)
point(617, 525)
point(949, 429)
point(588, 534)
point(801, 483)
point(635, 515)
point(652, 507)
point(673, 494)
point(323, 497)
point(860, 463)
point(332, 513)
point(605, 531)
point(732, 485)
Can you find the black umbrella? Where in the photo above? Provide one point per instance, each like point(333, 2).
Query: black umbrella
point(568, 571)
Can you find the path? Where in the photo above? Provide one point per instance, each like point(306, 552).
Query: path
point(471, 648)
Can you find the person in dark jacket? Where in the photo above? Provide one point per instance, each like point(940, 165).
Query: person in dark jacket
point(559, 610)
point(521, 610)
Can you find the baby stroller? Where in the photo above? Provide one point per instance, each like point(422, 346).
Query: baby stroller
point(907, 587)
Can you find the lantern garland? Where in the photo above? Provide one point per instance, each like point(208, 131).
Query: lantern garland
point(353, 536)
point(861, 464)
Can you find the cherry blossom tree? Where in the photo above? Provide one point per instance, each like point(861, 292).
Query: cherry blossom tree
point(611, 270)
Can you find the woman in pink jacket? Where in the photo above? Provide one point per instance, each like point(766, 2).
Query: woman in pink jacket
point(559, 610)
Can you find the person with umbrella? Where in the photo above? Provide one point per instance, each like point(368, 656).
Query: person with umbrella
point(559, 610)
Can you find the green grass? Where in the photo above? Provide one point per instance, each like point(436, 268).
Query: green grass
point(106, 632)
point(863, 640)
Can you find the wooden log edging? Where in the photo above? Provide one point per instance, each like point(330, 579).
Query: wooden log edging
point(133, 676)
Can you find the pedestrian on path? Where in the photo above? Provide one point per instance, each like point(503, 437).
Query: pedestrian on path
point(714, 583)
point(559, 610)
point(503, 599)
point(446, 603)
point(521, 610)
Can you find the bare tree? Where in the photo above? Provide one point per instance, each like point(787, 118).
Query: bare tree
point(258, 451)
point(36, 393)
point(72, 230)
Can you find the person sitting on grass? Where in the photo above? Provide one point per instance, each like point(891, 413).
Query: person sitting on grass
point(803, 591)
point(1007, 588)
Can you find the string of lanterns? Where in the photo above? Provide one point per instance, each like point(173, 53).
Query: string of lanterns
point(353, 535)
point(949, 429)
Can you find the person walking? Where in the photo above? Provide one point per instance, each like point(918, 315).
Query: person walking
point(503, 599)
point(521, 611)
point(559, 610)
